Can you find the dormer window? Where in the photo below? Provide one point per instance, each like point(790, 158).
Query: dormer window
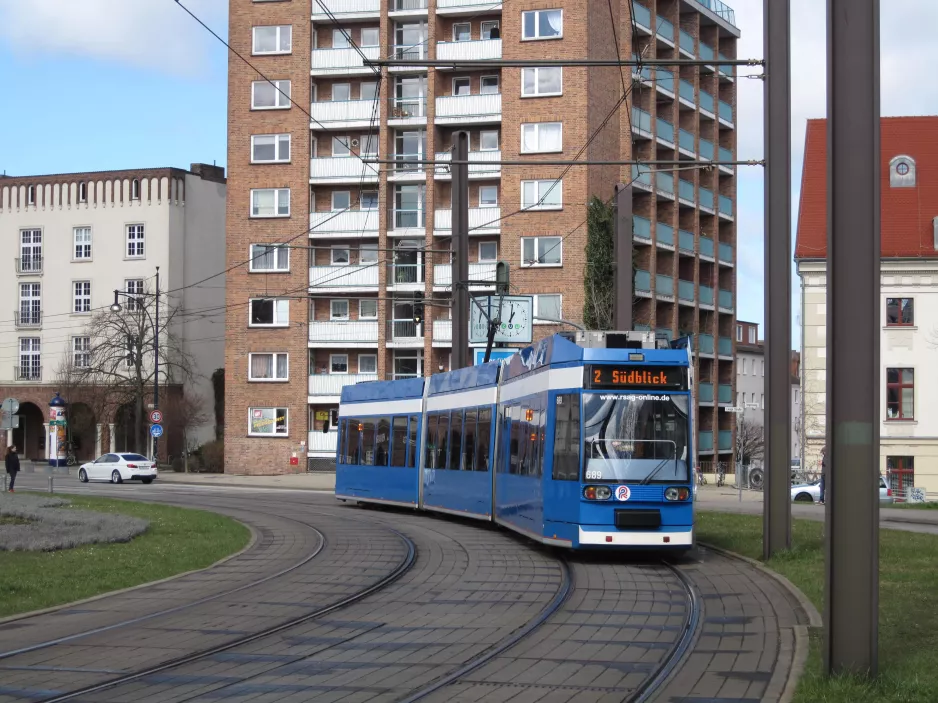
point(902, 172)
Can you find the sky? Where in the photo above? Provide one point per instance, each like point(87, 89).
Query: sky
point(137, 83)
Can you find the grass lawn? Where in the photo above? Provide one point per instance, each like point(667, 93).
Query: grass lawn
point(908, 612)
point(916, 506)
point(177, 540)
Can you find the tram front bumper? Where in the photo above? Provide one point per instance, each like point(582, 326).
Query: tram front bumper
point(671, 536)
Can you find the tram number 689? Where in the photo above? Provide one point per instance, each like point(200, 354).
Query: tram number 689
point(594, 475)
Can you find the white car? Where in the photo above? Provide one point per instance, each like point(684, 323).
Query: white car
point(118, 468)
point(811, 492)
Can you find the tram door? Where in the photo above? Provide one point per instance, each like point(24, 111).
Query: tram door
point(562, 483)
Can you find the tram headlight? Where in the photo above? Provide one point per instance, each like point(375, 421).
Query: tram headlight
point(597, 493)
point(675, 493)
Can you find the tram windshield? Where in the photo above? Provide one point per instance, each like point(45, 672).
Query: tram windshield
point(635, 438)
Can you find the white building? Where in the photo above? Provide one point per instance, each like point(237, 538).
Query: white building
point(70, 240)
point(908, 300)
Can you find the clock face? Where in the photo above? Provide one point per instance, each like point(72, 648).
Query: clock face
point(515, 320)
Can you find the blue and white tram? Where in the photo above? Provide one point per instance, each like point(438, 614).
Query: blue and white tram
point(579, 447)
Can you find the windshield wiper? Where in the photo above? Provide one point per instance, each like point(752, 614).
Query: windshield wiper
point(645, 481)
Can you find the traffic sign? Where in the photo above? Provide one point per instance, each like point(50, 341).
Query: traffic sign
point(733, 410)
point(156, 417)
point(156, 430)
point(11, 406)
point(58, 423)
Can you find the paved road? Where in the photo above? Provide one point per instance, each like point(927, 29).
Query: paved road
point(376, 605)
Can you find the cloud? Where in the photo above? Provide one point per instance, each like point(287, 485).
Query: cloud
point(153, 34)
point(905, 66)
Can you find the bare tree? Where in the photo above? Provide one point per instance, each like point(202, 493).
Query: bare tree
point(750, 440)
point(75, 387)
point(120, 359)
point(188, 412)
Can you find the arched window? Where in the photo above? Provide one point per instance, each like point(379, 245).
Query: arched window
point(31, 195)
point(135, 189)
point(82, 192)
point(902, 172)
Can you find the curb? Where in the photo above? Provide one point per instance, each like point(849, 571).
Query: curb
point(55, 608)
point(800, 654)
point(222, 484)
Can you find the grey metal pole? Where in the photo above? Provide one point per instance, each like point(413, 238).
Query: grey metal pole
point(776, 515)
point(156, 361)
point(853, 373)
point(622, 243)
point(461, 250)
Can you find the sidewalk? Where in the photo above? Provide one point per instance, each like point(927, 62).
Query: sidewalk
point(318, 481)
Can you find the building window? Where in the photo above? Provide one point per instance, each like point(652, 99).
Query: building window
point(547, 306)
point(270, 202)
point(338, 363)
point(899, 312)
point(135, 243)
point(488, 196)
point(541, 137)
point(369, 145)
point(368, 200)
point(338, 309)
point(541, 195)
point(82, 240)
point(30, 251)
point(268, 422)
point(488, 251)
point(743, 365)
point(900, 394)
point(270, 257)
point(461, 86)
point(739, 333)
point(488, 85)
point(541, 251)
point(367, 309)
point(369, 36)
point(762, 367)
point(541, 81)
point(82, 192)
point(135, 189)
point(341, 39)
point(488, 140)
point(900, 473)
point(341, 92)
point(340, 256)
point(134, 289)
point(266, 312)
point(490, 30)
point(30, 304)
point(270, 95)
point(273, 40)
point(30, 359)
point(542, 24)
point(340, 148)
point(341, 200)
point(81, 301)
point(752, 335)
point(81, 352)
point(270, 148)
point(462, 31)
point(367, 363)
point(30, 195)
point(902, 172)
point(268, 367)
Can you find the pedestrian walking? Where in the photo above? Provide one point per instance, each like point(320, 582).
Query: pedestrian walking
point(823, 472)
point(12, 462)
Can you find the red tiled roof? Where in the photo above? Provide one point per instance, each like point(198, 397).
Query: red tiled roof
point(907, 230)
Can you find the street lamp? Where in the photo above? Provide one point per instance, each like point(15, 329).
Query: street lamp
point(116, 307)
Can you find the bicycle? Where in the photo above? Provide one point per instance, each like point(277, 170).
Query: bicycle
point(701, 479)
point(721, 474)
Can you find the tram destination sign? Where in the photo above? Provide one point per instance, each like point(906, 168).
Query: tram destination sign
point(643, 377)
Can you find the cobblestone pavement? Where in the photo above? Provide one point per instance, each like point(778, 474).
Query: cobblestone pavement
point(450, 628)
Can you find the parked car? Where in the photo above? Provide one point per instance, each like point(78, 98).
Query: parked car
point(811, 492)
point(118, 468)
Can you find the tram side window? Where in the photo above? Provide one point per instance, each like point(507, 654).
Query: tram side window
point(483, 435)
point(399, 441)
point(469, 443)
point(541, 435)
point(566, 438)
point(382, 441)
point(340, 446)
point(353, 444)
point(412, 443)
point(442, 435)
point(368, 443)
point(429, 459)
point(514, 446)
point(455, 440)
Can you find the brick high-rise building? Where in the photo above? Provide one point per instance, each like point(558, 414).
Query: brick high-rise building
point(305, 321)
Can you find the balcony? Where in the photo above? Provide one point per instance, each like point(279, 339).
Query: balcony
point(643, 283)
point(705, 441)
point(705, 394)
point(342, 114)
point(707, 103)
point(642, 178)
point(664, 30)
point(725, 113)
point(726, 440)
point(726, 207)
point(407, 168)
point(479, 169)
point(344, 333)
point(686, 94)
point(29, 265)
point(348, 278)
point(442, 333)
point(642, 17)
point(664, 81)
point(344, 224)
point(726, 300)
point(705, 296)
point(641, 122)
point(705, 149)
point(665, 131)
point(725, 347)
point(664, 185)
point(469, 109)
point(27, 373)
point(706, 247)
point(686, 43)
point(685, 291)
point(685, 241)
point(720, 9)
point(725, 253)
point(726, 72)
point(641, 228)
point(404, 223)
point(415, 51)
point(686, 192)
point(406, 277)
point(725, 394)
point(664, 332)
point(664, 287)
point(404, 334)
point(322, 443)
point(477, 50)
point(664, 235)
point(407, 8)
point(706, 52)
point(705, 344)
point(27, 319)
point(331, 384)
point(345, 62)
point(706, 200)
point(481, 275)
point(349, 169)
point(407, 111)
point(466, 7)
point(725, 155)
point(685, 142)
point(482, 221)
point(346, 10)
